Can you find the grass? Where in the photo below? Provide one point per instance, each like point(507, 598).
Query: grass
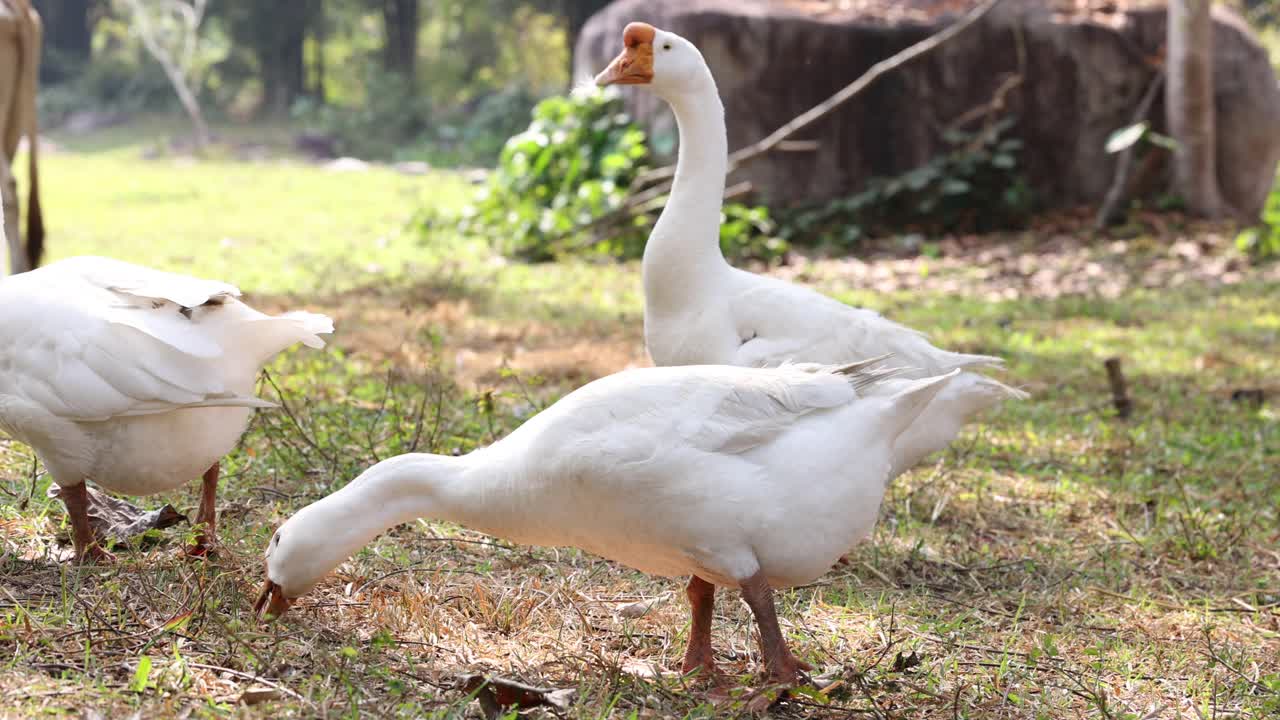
point(275, 226)
point(1056, 562)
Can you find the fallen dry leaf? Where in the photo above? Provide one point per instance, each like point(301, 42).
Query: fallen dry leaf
point(259, 694)
point(497, 694)
point(640, 608)
point(119, 519)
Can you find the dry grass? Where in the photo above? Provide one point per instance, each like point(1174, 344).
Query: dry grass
point(1057, 562)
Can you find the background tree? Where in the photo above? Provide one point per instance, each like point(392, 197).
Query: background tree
point(68, 36)
point(1189, 106)
point(576, 13)
point(268, 41)
point(401, 24)
point(170, 31)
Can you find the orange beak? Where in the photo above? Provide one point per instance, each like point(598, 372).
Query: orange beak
point(271, 602)
point(635, 65)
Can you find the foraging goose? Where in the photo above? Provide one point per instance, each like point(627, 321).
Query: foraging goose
point(134, 378)
point(698, 309)
point(750, 477)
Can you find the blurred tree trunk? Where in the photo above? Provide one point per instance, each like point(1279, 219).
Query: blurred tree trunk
point(280, 52)
point(576, 14)
point(170, 32)
point(400, 18)
point(68, 33)
point(1189, 106)
point(319, 29)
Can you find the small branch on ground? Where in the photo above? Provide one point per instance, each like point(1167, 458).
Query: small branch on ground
point(1119, 388)
point(293, 418)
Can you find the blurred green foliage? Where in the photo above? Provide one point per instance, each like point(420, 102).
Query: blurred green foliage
point(562, 187)
point(976, 186)
point(569, 168)
point(454, 90)
point(1262, 242)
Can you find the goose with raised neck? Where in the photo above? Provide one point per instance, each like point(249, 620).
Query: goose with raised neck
point(756, 478)
point(699, 309)
point(675, 270)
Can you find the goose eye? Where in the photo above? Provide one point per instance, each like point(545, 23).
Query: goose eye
point(666, 46)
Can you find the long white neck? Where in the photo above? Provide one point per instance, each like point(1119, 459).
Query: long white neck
point(683, 251)
point(472, 490)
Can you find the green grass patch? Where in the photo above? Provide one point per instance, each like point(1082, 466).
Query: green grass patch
point(1055, 562)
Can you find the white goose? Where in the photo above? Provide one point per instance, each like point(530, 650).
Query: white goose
point(748, 477)
point(135, 378)
point(698, 309)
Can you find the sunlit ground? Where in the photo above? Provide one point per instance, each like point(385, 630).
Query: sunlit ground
point(1056, 562)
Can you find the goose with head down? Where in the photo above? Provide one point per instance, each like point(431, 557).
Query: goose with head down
point(755, 478)
point(137, 379)
point(698, 309)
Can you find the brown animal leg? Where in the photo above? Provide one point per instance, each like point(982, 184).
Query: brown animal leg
point(207, 517)
point(783, 668)
point(77, 501)
point(699, 656)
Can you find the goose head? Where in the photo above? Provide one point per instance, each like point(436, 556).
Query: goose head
point(285, 582)
point(319, 537)
point(662, 61)
point(301, 553)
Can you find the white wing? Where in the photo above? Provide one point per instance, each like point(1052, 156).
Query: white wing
point(780, 322)
point(91, 339)
point(638, 415)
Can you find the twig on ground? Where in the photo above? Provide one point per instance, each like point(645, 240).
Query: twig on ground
point(1213, 655)
point(1119, 388)
point(1263, 609)
point(370, 442)
point(288, 411)
point(435, 426)
point(252, 678)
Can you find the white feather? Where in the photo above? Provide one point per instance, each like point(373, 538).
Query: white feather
point(716, 471)
point(136, 378)
point(701, 310)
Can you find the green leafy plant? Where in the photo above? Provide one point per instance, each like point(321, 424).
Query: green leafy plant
point(748, 233)
point(562, 187)
point(974, 187)
point(476, 134)
point(141, 675)
point(1262, 242)
point(570, 167)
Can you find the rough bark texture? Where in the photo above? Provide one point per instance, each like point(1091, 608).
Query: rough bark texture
point(1189, 105)
point(1083, 76)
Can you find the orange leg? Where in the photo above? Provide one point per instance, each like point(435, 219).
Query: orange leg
point(207, 516)
point(699, 656)
point(87, 548)
point(782, 667)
